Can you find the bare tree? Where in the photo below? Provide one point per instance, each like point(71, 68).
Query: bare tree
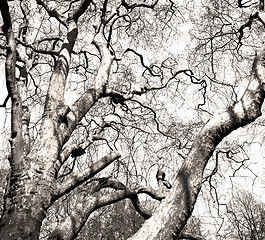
point(245, 218)
point(97, 52)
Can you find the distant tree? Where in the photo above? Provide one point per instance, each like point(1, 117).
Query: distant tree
point(193, 230)
point(117, 221)
point(245, 218)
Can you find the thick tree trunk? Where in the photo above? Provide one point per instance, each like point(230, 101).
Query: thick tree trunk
point(20, 223)
point(28, 196)
point(24, 209)
point(33, 168)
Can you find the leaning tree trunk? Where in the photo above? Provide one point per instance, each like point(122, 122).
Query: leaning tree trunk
point(173, 213)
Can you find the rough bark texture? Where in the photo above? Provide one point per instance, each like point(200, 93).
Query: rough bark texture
point(31, 186)
point(174, 211)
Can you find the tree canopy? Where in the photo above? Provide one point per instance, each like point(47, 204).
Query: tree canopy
point(112, 100)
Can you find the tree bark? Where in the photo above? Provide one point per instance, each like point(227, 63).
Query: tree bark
point(30, 187)
point(32, 182)
point(26, 201)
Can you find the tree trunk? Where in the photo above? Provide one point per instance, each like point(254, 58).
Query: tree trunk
point(23, 215)
point(20, 223)
point(27, 199)
point(174, 211)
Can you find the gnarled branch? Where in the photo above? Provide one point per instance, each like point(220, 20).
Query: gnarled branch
point(166, 221)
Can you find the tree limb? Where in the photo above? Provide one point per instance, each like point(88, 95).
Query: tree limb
point(53, 13)
point(135, 5)
point(167, 220)
point(22, 88)
point(74, 150)
point(48, 52)
point(82, 8)
point(52, 129)
point(11, 83)
point(72, 224)
point(78, 179)
point(5, 101)
point(117, 185)
point(91, 96)
point(189, 236)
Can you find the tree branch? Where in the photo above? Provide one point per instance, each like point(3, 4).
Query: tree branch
point(52, 128)
point(142, 61)
point(55, 96)
point(22, 88)
point(5, 101)
point(22, 82)
point(51, 52)
point(78, 179)
point(81, 10)
point(91, 96)
point(74, 150)
point(53, 13)
point(117, 185)
point(10, 71)
point(135, 5)
point(261, 5)
point(189, 236)
point(174, 211)
point(70, 149)
point(72, 224)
